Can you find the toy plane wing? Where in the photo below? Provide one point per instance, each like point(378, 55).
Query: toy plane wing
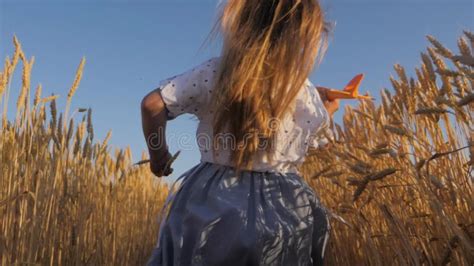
point(351, 91)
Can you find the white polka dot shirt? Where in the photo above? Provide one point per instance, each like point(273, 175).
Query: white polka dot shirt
point(307, 126)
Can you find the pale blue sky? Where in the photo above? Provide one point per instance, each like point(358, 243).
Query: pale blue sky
point(131, 45)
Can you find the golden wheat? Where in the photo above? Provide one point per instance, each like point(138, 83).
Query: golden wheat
point(397, 179)
point(62, 201)
point(407, 198)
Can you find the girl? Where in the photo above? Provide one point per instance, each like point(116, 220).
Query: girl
point(245, 202)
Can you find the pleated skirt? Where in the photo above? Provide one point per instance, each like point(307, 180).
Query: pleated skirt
point(258, 218)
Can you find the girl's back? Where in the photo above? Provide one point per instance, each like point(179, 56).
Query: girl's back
point(306, 126)
point(245, 202)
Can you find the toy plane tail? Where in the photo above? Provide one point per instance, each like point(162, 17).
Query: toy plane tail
point(353, 86)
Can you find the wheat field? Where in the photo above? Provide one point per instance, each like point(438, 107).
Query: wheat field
point(397, 180)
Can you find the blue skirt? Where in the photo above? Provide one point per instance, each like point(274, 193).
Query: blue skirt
point(260, 218)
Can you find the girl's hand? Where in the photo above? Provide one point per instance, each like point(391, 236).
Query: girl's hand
point(331, 106)
point(160, 166)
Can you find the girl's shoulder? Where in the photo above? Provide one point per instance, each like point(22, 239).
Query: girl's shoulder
point(311, 93)
point(310, 111)
point(211, 63)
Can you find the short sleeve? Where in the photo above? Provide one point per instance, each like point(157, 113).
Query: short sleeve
point(190, 91)
point(323, 134)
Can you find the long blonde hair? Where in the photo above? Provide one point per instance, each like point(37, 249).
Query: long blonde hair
point(270, 47)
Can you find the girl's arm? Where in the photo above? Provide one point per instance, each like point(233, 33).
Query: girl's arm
point(154, 117)
point(331, 106)
point(184, 93)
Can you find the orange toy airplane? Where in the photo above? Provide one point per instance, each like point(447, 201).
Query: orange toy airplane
point(351, 91)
